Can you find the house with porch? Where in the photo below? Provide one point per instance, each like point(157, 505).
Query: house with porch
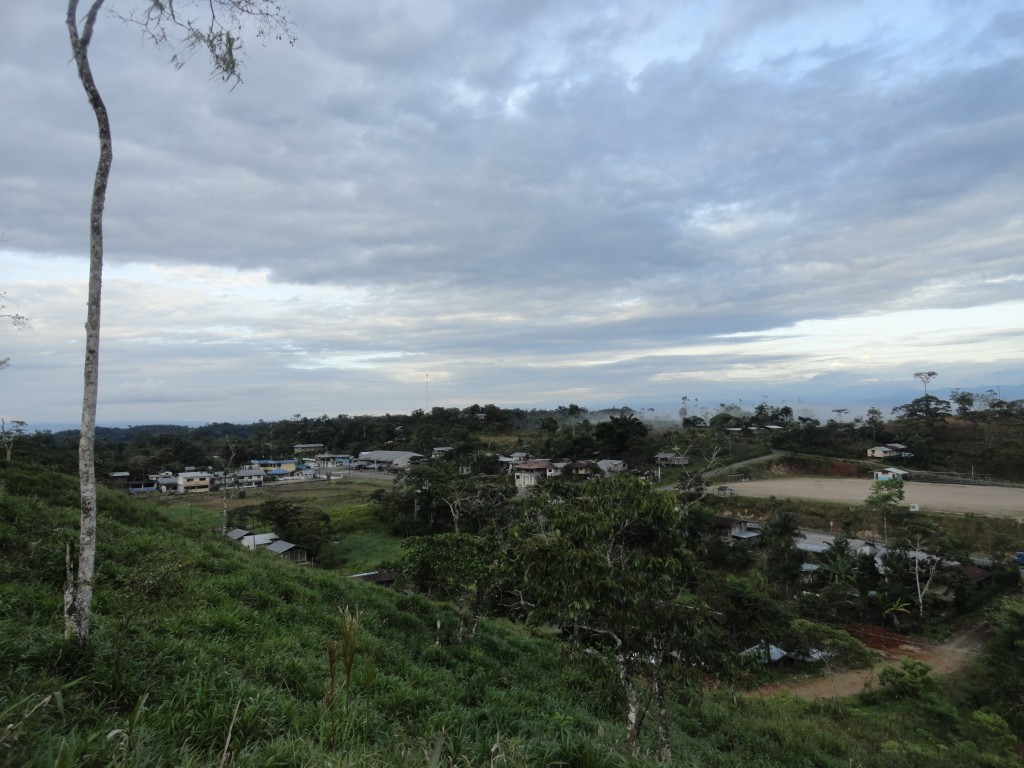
point(194, 482)
point(881, 452)
point(527, 474)
point(248, 477)
point(582, 468)
point(269, 465)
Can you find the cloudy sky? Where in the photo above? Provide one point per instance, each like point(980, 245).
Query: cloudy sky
point(529, 203)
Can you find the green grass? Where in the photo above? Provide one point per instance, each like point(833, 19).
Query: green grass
point(362, 542)
point(207, 655)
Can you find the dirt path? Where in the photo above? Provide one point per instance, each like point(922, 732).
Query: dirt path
point(944, 658)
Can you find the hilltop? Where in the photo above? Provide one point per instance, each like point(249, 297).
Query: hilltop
point(205, 654)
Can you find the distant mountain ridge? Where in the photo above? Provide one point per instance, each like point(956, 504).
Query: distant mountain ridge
point(816, 397)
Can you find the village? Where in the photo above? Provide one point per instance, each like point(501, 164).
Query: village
point(526, 470)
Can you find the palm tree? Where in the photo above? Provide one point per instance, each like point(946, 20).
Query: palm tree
point(897, 608)
point(839, 562)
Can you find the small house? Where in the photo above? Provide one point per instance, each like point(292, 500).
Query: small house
point(530, 473)
point(582, 467)
point(256, 540)
point(889, 473)
point(194, 482)
point(269, 465)
point(249, 477)
point(735, 529)
point(293, 553)
point(809, 572)
point(610, 466)
point(881, 452)
point(142, 486)
point(119, 479)
point(666, 459)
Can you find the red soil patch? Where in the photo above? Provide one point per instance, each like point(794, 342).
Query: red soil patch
point(881, 639)
point(944, 659)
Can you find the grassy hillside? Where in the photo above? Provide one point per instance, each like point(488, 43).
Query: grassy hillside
point(361, 541)
point(208, 655)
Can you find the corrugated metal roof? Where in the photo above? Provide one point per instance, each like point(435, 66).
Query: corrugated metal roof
point(774, 652)
point(535, 464)
point(280, 546)
point(819, 549)
point(253, 540)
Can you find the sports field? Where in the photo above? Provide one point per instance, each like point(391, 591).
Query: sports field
point(930, 497)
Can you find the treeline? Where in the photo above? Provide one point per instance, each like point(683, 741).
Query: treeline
point(969, 433)
point(569, 432)
point(145, 449)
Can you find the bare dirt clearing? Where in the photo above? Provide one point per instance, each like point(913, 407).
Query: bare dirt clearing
point(944, 658)
point(930, 497)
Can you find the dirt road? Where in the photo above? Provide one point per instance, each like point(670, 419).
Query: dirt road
point(930, 497)
point(944, 658)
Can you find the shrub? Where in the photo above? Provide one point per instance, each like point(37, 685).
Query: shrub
point(910, 680)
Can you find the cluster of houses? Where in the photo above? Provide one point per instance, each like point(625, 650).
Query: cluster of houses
point(252, 475)
point(813, 575)
point(297, 554)
point(526, 470)
point(888, 451)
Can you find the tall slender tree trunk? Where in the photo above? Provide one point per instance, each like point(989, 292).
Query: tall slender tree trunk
point(634, 715)
point(658, 682)
point(224, 496)
point(478, 604)
point(78, 589)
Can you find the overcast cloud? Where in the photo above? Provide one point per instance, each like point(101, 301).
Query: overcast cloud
point(527, 203)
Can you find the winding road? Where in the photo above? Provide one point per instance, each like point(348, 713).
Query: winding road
point(944, 658)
